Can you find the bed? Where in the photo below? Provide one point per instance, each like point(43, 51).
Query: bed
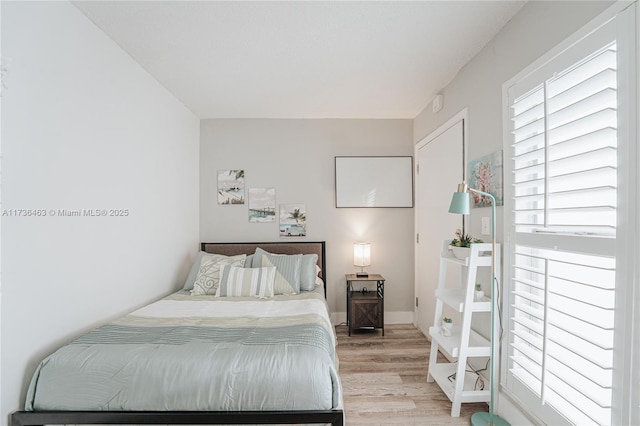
point(245, 351)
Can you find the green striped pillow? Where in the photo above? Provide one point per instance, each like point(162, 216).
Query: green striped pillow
point(287, 270)
point(255, 282)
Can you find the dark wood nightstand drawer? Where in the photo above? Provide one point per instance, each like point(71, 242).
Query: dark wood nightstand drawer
point(365, 310)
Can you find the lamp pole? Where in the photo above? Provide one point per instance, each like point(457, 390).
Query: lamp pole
point(460, 205)
point(490, 418)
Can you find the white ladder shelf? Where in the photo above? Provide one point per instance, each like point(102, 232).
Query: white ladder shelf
point(463, 342)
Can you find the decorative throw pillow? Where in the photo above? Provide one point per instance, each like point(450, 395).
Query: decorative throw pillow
point(256, 282)
point(308, 272)
point(208, 276)
point(287, 270)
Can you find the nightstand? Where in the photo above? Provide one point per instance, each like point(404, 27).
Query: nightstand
point(365, 308)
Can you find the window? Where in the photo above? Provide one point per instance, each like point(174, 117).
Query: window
point(569, 174)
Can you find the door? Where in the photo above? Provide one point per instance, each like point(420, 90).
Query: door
point(440, 159)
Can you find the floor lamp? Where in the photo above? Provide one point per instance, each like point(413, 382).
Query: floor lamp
point(460, 205)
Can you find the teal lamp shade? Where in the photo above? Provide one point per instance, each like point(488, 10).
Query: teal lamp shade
point(459, 203)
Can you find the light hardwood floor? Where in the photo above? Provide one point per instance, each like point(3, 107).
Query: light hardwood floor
point(384, 380)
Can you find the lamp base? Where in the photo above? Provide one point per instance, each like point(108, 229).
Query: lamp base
point(362, 274)
point(484, 419)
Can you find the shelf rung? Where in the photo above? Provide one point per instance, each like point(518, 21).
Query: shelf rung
point(441, 373)
point(455, 298)
point(478, 345)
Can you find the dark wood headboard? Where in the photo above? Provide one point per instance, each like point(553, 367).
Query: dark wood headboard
point(290, 247)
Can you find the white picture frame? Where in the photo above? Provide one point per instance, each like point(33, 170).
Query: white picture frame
point(374, 181)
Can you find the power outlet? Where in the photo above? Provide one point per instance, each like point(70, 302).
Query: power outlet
point(486, 226)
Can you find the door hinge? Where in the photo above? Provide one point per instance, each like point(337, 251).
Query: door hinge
point(416, 302)
point(418, 238)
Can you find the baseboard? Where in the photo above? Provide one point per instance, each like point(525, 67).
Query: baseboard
point(393, 317)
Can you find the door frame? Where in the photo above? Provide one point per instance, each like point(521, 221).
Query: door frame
point(463, 116)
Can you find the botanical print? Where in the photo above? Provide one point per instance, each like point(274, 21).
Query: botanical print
point(230, 186)
point(485, 174)
point(293, 220)
point(262, 205)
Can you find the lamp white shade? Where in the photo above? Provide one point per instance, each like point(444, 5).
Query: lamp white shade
point(361, 254)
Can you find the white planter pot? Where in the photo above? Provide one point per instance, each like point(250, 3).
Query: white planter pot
point(446, 328)
point(479, 294)
point(461, 252)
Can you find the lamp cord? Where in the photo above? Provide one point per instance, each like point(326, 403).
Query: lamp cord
point(499, 309)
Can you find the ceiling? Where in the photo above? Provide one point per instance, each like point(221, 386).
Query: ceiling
point(302, 59)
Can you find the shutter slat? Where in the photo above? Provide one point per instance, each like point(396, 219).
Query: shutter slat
point(584, 125)
point(529, 130)
point(592, 331)
point(603, 80)
point(528, 365)
point(531, 297)
point(569, 410)
point(529, 116)
point(580, 347)
point(583, 161)
point(581, 383)
point(534, 355)
point(534, 342)
point(601, 62)
point(528, 101)
point(525, 187)
point(598, 156)
point(529, 269)
point(530, 283)
point(528, 310)
point(584, 405)
point(598, 374)
point(588, 141)
point(529, 158)
point(604, 99)
point(586, 191)
point(528, 324)
point(531, 197)
point(529, 144)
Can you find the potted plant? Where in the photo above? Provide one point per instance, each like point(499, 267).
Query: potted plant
point(461, 245)
point(447, 323)
point(479, 292)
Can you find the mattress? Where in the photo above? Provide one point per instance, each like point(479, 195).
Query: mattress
point(186, 353)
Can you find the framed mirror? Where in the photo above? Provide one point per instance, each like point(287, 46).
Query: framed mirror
point(374, 181)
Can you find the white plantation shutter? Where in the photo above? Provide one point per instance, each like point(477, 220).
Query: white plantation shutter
point(562, 326)
point(564, 151)
point(562, 225)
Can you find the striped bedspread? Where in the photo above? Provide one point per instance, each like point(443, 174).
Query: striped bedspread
point(186, 353)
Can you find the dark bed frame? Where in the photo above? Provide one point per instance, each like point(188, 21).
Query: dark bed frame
point(334, 417)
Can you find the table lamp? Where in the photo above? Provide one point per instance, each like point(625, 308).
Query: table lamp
point(362, 257)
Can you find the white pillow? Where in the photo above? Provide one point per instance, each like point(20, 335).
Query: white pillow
point(208, 276)
point(255, 282)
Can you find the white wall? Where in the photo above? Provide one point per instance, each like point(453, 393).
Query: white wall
point(537, 28)
point(297, 158)
point(85, 127)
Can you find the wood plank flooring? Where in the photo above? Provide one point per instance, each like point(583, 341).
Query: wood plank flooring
point(384, 380)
